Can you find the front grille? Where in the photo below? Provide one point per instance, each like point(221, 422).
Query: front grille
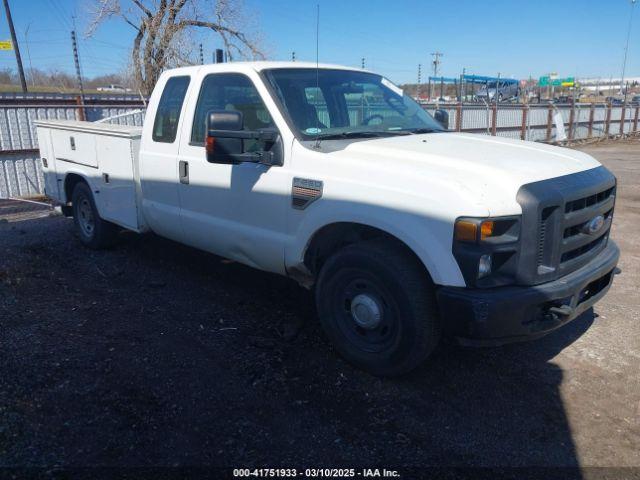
point(591, 200)
point(556, 216)
point(577, 252)
point(576, 242)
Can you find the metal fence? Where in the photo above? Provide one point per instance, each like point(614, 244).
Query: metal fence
point(21, 174)
point(538, 122)
point(20, 168)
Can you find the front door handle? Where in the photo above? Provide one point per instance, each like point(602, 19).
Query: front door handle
point(183, 172)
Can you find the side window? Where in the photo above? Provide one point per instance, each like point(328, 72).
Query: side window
point(229, 91)
point(165, 125)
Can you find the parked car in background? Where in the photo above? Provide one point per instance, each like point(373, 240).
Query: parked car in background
point(114, 89)
point(564, 99)
point(505, 89)
point(614, 101)
point(635, 100)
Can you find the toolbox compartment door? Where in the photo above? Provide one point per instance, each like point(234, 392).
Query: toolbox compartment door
point(75, 147)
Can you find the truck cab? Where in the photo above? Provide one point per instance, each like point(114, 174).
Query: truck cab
point(406, 232)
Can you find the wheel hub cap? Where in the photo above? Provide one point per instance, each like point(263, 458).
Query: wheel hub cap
point(366, 311)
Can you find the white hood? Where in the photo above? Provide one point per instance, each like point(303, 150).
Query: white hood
point(492, 168)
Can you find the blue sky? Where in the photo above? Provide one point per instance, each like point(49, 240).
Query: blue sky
point(514, 38)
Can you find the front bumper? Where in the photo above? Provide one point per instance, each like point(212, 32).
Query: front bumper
point(495, 316)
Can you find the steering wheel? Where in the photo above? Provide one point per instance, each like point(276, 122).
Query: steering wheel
point(368, 119)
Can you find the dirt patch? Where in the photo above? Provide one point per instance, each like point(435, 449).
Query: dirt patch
point(154, 354)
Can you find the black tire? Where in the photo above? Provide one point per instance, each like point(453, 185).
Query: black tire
point(93, 231)
point(399, 325)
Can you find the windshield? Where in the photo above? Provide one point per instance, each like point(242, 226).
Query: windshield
point(328, 103)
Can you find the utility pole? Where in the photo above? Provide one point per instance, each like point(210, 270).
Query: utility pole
point(626, 48)
point(293, 56)
point(201, 56)
point(419, 73)
point(363, 63)
point(77, 62)
point(436, 65)
point(16, 48)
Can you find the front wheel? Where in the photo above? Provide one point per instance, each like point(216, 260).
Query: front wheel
point(92, 230)
point(377, 305)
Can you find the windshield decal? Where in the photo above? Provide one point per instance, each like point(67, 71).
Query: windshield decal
point(312, 131)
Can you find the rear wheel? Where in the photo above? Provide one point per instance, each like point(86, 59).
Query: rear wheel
point(376, 304)
point(92, 230)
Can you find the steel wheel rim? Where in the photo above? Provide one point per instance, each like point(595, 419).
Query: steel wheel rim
point(85, 217)
point(371, 334)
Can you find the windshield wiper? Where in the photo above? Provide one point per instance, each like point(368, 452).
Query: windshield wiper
point(424, 130)
point(339, 136)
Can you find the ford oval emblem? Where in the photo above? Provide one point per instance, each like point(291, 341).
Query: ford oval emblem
point(594, 225)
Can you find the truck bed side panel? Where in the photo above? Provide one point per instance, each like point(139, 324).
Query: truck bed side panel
point(117, 181)
point(105, 156)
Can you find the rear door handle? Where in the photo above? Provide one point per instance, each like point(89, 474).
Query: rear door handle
point(183, 172)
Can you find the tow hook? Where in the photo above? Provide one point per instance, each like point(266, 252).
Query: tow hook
point(562, 311)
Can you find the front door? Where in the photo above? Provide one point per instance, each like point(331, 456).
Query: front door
point(236, 211)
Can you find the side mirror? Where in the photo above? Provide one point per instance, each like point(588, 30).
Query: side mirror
point(442, 116)
point(219, 147)
point(225, 140)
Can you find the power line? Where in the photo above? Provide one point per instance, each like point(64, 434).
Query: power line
point(626, 48)
point(60, 13)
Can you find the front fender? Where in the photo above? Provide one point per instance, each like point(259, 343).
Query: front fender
point(429, 239)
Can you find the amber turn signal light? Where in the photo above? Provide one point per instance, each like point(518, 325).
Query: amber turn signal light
point(486, 229)
point(466, 231)
point(210, 144)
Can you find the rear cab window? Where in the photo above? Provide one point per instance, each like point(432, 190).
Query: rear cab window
point(165, 125)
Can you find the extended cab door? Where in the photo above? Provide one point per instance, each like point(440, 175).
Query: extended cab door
point(236, 211)
point(159, 176)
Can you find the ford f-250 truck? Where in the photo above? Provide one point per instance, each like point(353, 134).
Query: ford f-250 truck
point(332, 176)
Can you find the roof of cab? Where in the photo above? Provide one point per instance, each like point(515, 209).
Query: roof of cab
point(256, 66)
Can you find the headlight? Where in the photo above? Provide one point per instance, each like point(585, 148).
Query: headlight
point(484, 265)
point(486, 248)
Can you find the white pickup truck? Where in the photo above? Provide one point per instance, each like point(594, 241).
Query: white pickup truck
point(332, 176)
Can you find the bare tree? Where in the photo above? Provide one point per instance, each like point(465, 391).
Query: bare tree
point(163, 27)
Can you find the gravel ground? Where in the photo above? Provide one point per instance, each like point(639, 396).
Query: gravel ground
point(154, 354)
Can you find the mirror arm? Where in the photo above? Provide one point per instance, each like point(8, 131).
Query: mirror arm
point(263, 158)
point(262, 135)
